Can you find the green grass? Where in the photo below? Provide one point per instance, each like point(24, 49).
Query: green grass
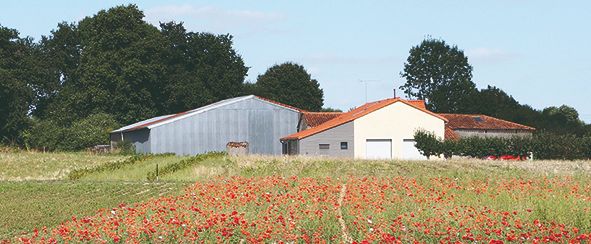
point(33, 204)
point(31, 198)
point(134, 172)
point(23, 165)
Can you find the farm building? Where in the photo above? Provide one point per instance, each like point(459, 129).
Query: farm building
point(465, 125)
point(377, 130)
point(255, 120)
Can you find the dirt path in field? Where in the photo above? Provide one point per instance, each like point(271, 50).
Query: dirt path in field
point(346, 237)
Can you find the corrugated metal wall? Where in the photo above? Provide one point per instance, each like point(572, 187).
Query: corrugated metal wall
point(140, 140)
point(259, 123)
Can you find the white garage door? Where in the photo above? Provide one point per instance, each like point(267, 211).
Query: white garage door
point(409, 151)
point(378, 149)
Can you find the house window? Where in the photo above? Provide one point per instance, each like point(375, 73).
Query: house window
point(344, 145)
point(324, 146)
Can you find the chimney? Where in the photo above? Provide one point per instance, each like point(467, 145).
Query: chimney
point(394, 92)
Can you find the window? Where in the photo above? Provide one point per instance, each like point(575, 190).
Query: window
point(344, 145)
point(324, 146)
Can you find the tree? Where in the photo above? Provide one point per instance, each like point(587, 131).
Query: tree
point(201, 68)
point(440, 73)
point(19, 80)
point(291, 84)
point(119, 71)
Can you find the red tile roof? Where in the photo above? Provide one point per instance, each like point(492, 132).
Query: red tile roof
point(314, 119)
point(355, 114)
point(450, 134)
point(481, 122)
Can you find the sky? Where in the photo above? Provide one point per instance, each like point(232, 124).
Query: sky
point(537, 51)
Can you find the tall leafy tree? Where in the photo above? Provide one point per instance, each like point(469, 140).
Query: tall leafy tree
point(120, 70)
point(201, 67)
point(291, 84)
point(20, 79)
point(60, 56)
point(440, 73)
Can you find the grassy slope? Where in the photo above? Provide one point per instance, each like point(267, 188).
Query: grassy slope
point(17, 166)
point(33, 204)
point(134, 172)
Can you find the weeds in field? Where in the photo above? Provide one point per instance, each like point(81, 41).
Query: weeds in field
point(79, 173)
point(399, 209)
point(185, 163)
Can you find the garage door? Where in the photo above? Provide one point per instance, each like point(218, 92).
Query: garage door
point(409, 151)
point(378, 149)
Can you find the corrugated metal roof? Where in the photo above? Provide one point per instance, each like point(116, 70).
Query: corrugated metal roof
point(127, 127)
point(162, 120)
point(355, 114)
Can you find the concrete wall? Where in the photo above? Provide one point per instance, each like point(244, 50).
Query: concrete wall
point(492, 133)
point(397, 122)
point(259, 123)
point(333, 137)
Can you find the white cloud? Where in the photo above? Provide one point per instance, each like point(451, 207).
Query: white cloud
point(489, 55)
point(214, 19)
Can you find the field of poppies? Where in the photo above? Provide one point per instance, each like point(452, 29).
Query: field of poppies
point(319, 200)
point(352, 209)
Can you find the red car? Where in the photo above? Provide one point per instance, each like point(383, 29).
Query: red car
point(505, 157)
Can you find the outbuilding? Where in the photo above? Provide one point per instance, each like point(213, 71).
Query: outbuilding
point(378, 130)
point(468, 125)
point(251, 120)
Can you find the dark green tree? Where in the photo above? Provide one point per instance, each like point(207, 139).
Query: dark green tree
point(201, 68)
point(440, 73)
point(291, 84)
point(20, 80)
point(120, 71)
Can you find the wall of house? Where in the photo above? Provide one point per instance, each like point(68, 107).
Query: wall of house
point(492, 133)
point(333, 137)
point(259, 123)
point(397, 122)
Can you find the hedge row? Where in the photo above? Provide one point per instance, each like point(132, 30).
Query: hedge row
point(79, 173)
point(542, 146)
point(153, 175)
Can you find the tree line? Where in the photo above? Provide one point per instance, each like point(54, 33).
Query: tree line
point(114, 68)
point(441, 73)
point(67, 90)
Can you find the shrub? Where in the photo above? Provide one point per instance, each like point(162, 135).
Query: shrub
point(87, 132)
point(427, 143)
point(543, 146)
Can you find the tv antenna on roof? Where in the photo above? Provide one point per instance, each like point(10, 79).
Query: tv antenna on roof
point(365, 82)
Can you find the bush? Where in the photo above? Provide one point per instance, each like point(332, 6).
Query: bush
point(87, 132)
point(92, 130)
point(543, 146)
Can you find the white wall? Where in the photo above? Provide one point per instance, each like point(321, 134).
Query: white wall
point(397, 121)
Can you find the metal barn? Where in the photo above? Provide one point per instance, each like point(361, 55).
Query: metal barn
point(258, 121)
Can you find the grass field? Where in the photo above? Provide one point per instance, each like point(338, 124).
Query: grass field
point(271, 199)
point(23, 165)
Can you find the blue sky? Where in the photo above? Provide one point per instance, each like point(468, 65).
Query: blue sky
point(537, 51)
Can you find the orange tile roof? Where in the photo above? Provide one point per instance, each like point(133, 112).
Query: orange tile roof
point(450, 134)
point(314, 119)
point(481, 122)
point(355, 114)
